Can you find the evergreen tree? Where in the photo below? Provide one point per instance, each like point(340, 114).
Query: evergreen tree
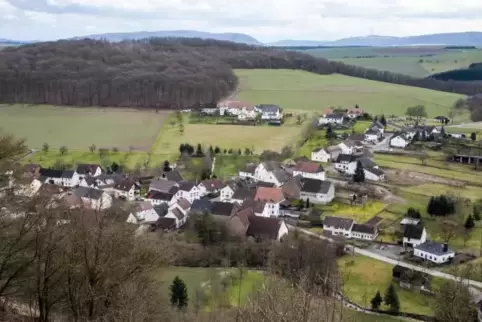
point(442, 132)
point(413, 213)
point(391, 298)
point(307, 202)
point(469, 223)
point(330, 134)
point(217, 150)
point(376, 301)
point(383, 120)
point(375, 118)
point(476, 216)
point(211, 150)
point(473, 136)
point(359, 175)
point(45, 147)
point(166, 167)
point(416, 137)
point(199, 150)
point(179, 297)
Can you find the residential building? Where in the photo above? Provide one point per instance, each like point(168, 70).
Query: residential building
point(346, 148)
point(345, 163)
point(93, 170)
point(273, 198)
point(409, 221)
point(93, 198)
point(234, 107)
point(434, 252)
point(354, 112)
point(266, 228)
point(227, 192)
point(127, 189)
point(65, 178)
point(377, 125)
point(270, 112)
point(334, 151)
point(242, 194)
point(248, 171)
point(210, 186)
point(143, 213)
point(317, 191)
point(271, 171)
point(157, 198)
point(372, 135)
point(320, 155)
point(399, 140)
point(174, 175)
point(163, 185)
point(309, 169)
point(259, 207)
point(179, 211)
point(363, 231)
point(188, 190)
point(335, 118)
point(223, 210)
point(338, 226)
point(414, 235)
point(374, 174)
point(165, 224)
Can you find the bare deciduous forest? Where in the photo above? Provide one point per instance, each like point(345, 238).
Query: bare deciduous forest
point(159, 73)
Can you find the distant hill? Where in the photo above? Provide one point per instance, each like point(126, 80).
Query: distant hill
point(454, 39)
point(234, 37)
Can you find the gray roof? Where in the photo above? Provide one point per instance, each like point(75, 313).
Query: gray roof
point(269, 108)
point(179, 215)
point(333, 148)
point(243, 193)
point(367, 162)
point(173, 175)
point(375, 171)
point(162, 185)
point(334, 116)
point(413, 231)
point(433, 248)
point(372, 132)
point(249, 168)
point(91, 193)
point(68, 173)
point(186, 185)
point(364, 229)
point(377, 124)
point(346, 158)
point(314, 185)
point(272, 165)
point(338, 222)
point(281, 175)
point(318, 150)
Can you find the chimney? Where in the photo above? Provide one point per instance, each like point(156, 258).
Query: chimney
point(446, 247)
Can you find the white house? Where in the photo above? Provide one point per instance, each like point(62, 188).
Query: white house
point(260, 207)
point(376, 125)
point(272, 172)
point(93, 198)
point(248, 171)
point(270, 112)
point(317, 191)
point(345, 163)
point(247, 113)
point(157, 198)
point(265, 228)
point(346, 148)
point(399, 140)
point(363, 231)
point(144, 213)
point(331, 119)
point(188, 190)
point(414, 235)
point(338, 226)
point(93, 170)
point(234, 107)
point(372, 136)
point(273, 198)
point(334, 151)
point(320, 155)
point(374, 174)
point(210, 186)
point(66, 178)
point(226, 193)
point(309, 169)
point(126, 189)
point(434, 252)
point(179, 212)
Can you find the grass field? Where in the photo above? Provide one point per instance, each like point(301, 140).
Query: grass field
point(364, 276)
point(429, 190)
point(229, 165)
point(78, 128)
point(359, 213)
point(299, 90)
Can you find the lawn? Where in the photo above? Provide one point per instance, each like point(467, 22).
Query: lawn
point(300, 90)
point(79, 128)
point(429, 190)
point(400, 65)
point(257, 138)
point(358, 213)
point(205, 285)
point(364, 276)
point(229, 165)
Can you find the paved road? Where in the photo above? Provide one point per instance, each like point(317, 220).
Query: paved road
point(476, 293)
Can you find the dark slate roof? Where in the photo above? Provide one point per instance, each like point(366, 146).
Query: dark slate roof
point(334, 116)
point(165, 223)
point(264, 184)
point(433, 248)
point(372, 132)
point(186, 185)
point(200, 205)
point(87, 168)
point(314, 185)
point(281, 175)
point(243, 193)
point(338, 222)
point(269, 108)
point(256, 205)
point(262, 227)
point(377, 124)
point(213, 184)
point(173, 175)
point(162, 185)
point(177, 213)
point(249, 168)
point(223, 208)
point(125, 185)
point(158, 195)
point(51, 173)
point(345, 158)
point(363, 228)
point(366, 162)
point(68, 173)
point(356, 137)
point(413, 231)
point(272, 165)
point(375, 171)
point(162, 209)
point(90, 180)
point(91, 193)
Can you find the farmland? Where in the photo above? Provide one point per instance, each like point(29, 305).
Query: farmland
point(302, 91)
point(79, 128)
point(412, 61)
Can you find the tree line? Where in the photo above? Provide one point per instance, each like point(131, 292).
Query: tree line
point(159, 72)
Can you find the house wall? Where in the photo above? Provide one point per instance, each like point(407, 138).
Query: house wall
point(346, 149)
point(348, 168)
point(262, 174)
point(271, 210)
point(318, 176)
point(324, 120)
point(226, 193)
point(414, 241)
point(244, 175)
point(320, 156)
point(373, 177)
point(129, 195)
point(439, 259)
point(371, 137)
point(283, 230)
point(97, 172)
point(398, 142)
point(189, 195)
point(338, 232)
point(319, 198)
point(179, 222)
point(359, 235)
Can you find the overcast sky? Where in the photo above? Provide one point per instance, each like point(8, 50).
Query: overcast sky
point(266, 20)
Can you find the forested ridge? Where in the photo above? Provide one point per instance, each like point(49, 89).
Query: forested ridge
point(159, 72)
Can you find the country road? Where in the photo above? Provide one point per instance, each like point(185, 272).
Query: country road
point(476, 293)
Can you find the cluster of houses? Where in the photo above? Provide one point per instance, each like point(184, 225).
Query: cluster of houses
point(338, 117)
point(349, 228)
point(245, 111)
point(346, 156)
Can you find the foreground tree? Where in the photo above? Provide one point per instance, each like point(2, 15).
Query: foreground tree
point(391, 298)
point(179, 297)
point(469, 222)
point(454, 303)
point(45, 147)
point(376, 301)
point(63, 149)
point(383, 120)
point(359, 175)
point(417, 112)
point(166, 167)
point(473, 136)
point(92, 148)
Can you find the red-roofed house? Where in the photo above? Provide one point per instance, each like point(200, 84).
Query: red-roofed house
point(273, 198)
point(309, 169)
point(328, 110)
point(236, 108)
point(354, 112)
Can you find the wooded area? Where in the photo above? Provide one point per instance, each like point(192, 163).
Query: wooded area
point(160, 73)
